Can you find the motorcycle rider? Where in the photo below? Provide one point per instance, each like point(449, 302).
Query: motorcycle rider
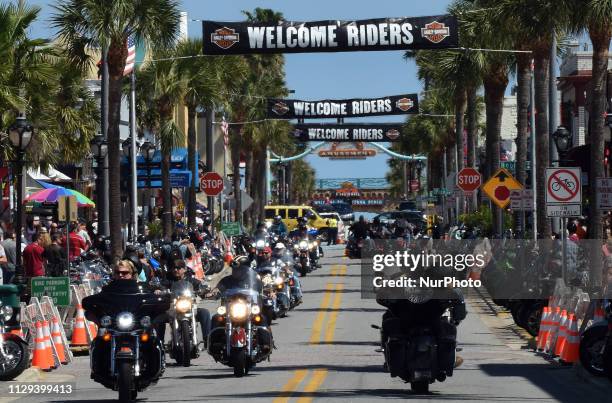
point(278, 226)
point(260, 231)
point(265, 258)
point(179, 273)
point(360, 228)
point(377, 230)
point(280, 253)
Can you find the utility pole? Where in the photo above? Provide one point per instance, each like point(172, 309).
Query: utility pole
point(533, 156)
point(134, 182)
point(210, 115)
point(553, 113)
point(103, 213)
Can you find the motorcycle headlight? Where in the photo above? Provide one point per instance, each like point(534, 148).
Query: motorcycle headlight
point(183, 305)
point(145, 321)
point(296, 246)
point(105, 321)
point(238, 310)
point(125, 321)
point(260, 244)
point(312, 245)
point(268, 224)
point(187, 293)
point(7, 311)
point(303, 245)
point(221, 310)
point(279, 280)
point(255, 309)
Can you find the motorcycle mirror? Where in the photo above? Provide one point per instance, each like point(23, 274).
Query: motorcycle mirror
point(375, 327)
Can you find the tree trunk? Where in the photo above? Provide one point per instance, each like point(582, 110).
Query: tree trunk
point(600, 37)
point(114, 167)
point(236, 145)
point(166, 194)
point(541, 60)
point(472, 127)
point(523, 78)
point(495, 85)
point(191, 164)
point(248, 186)
point(289, 179)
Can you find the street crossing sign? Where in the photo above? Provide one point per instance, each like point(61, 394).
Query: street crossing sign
point(499, 186)
point(563, 192)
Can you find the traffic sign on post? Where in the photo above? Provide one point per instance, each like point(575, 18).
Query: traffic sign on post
point(499, 186)
point(604, 193)
point(521, 200)
point(468, 179)
point(211, 183)
point(563, 192)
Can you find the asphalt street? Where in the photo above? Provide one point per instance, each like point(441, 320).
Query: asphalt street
point(326, 351)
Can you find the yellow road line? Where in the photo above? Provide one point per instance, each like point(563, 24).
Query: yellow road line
point(315, 383)
point(318, 322)
point(291, 385)
point(342, 271)
point(333, 315)
point(332, 273)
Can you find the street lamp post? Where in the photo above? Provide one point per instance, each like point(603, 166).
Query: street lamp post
point(126, 148)
point(20, 135)
point(148, 151)
point(563, 141)
point(99, 149)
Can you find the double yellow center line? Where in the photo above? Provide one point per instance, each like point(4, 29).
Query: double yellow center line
point(330, 306)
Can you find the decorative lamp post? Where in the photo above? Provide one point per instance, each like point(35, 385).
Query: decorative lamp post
point(99, 149)
point(20, 135)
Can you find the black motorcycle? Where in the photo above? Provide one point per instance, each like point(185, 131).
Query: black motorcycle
point(14, 350)
point(418, 339)
point(126, 356)
point(596, 347)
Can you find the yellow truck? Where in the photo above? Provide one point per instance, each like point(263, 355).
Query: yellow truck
point(290, 214)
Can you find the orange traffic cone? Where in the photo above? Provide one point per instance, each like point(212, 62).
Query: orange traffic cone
point(48, 346)
point(561, 335)
point(79, 334)
point(56, 335)
point(554, 329)
point(571, 350)
point(40, 359)
point(544, 329)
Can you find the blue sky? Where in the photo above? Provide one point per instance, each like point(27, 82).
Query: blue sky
point(319, 76)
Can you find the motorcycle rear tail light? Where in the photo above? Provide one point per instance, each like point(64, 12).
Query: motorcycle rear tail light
point(144, 337)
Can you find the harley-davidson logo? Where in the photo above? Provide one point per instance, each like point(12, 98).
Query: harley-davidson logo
point(280, 108)
point(225, 37)
point(297, 133)
point(404, 104)
point(393, 134)
point(435, 31)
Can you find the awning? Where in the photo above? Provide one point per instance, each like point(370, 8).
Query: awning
point(53, 175)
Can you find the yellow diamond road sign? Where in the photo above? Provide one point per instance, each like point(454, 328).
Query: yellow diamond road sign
point(499, 185)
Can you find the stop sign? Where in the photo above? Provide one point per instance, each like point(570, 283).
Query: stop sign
point(211, 183)
point(468, 179)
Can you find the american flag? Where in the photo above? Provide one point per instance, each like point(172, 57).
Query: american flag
point(225, 130)
point(131, 57)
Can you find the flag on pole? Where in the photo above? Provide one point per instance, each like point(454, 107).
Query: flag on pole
point(131, 57)
point(225, 130)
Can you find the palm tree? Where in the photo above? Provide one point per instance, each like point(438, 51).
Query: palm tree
point(85, 24)
point(207, 80)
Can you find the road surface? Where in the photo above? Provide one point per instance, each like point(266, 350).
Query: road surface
point(326, 352)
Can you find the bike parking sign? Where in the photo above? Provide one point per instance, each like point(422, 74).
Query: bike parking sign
point(563, 192)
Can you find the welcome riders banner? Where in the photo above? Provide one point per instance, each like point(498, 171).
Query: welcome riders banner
point(345, 108)
point(236, 38)
point(351, 132)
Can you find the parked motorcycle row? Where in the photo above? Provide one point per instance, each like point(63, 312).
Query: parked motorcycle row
point(129, 353)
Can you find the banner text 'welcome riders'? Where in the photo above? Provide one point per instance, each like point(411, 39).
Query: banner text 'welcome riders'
point(226, 38)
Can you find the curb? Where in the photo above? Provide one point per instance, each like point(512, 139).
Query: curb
point(32, 374)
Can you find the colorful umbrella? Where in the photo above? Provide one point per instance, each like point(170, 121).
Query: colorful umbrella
point(51, 195)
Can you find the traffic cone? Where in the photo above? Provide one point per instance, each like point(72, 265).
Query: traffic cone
point(56, 335)
point(48, 346)
point(554, 328)
point(561, 335)
point(93, 329)
point(544, 329)
point(571, 350)
point(79, 334)
point(40, 358)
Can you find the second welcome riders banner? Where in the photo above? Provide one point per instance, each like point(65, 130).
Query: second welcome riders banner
point(236, 38)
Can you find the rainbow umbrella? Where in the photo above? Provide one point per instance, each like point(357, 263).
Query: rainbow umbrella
point(51, 195)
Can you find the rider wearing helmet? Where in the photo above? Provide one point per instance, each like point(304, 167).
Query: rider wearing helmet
point(278, 226)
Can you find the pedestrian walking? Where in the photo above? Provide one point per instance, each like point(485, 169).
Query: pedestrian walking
point(9, 246)
point(55, 257)
point(77, 244)
point(33, 260)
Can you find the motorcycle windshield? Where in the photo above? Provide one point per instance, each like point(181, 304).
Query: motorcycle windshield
point(182, 288)
point(126, 296)
point(250, 295)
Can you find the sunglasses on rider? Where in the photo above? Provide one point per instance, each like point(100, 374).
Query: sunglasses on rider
point(123, 273)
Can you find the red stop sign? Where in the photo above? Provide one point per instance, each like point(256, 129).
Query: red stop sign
point(468, 179)
point(211, 183)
